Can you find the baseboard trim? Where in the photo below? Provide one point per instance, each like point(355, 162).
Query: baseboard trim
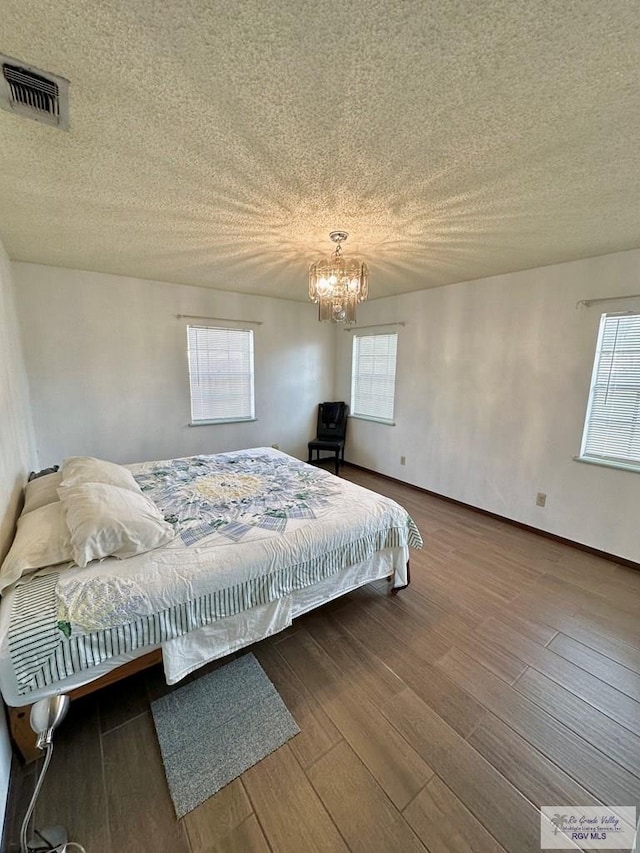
point(545, 533)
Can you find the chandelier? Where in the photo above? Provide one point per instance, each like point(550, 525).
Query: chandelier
point(338, 284)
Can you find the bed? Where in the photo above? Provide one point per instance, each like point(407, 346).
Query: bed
point(241, 544)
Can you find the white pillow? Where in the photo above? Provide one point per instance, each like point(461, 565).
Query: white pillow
point(86, 469)
point(42, 539)
point(41, 491)
point(107, 521)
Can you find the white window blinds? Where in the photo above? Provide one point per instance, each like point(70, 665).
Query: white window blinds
point(373, 376)
point(220, 374)
point(612, 426)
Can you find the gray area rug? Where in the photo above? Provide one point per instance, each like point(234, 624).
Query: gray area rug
point(213, 729)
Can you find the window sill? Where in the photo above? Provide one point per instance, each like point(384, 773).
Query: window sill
point(607, 463)
point(222, 421)
point(372, 420)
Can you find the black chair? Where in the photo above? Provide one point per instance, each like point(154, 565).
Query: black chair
point(331, 431)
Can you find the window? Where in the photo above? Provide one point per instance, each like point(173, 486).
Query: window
point(373, 376)
point(612, 427)
point(220, 374)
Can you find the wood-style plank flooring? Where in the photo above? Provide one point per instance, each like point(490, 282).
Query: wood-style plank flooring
point(506, 677)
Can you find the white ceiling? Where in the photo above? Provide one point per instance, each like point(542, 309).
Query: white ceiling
point(217, 143)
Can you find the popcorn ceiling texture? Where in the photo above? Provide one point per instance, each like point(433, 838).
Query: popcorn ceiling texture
point(218, 143)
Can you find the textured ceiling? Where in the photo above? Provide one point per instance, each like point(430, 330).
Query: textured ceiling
point(217, 143)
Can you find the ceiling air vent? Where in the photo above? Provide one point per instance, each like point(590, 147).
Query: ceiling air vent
point(32, 93)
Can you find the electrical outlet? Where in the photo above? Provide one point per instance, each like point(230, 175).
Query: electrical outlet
point(403, 460)
point(541, 499)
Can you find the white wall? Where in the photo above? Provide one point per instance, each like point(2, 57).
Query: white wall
point(107, 364)
point(492, 383)
point(17, 454)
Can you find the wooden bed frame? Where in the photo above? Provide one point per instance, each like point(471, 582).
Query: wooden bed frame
point(24, 738)
point(23, 735)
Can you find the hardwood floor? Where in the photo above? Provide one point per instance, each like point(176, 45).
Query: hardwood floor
point(506, 677)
